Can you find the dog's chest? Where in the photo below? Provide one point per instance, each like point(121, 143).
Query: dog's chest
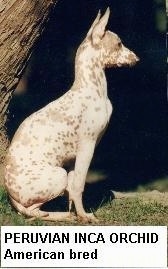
point(96, 117)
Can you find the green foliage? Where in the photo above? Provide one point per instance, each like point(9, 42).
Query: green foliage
point(3, 196)
point(160, 185)
point(7, 215)
point(161, 15)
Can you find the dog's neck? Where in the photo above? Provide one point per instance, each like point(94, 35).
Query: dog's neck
point(89, 72)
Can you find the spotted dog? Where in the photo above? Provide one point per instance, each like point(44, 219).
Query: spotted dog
point(52, 149)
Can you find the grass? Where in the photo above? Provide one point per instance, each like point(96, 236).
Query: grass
point(159, 184)
point(127, 211)
point(8, 216)
point(133, 211)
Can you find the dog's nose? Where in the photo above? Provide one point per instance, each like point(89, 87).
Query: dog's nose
point(137, 59)
point(133, 57)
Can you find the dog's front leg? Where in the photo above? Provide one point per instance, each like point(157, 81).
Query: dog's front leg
point(83, 159)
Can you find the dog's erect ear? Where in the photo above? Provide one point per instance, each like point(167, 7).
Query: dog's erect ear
point(93, 24)
point(99, 28)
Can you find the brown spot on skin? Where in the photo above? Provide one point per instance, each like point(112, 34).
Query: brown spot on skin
point(77, 127)
point(97, 109)
point(98, 93)
point(94, 75)
point(28, 203)
point(65, 143)
point(99, 80)
point(42, 121)
point(101, 75)
point(55, 115)
point(71, 144)
point(25, 140)
point(40, 193)
point(84, 106)
point(47, 139)
point(96, 65)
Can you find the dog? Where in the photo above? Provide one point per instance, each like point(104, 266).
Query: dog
point(52, 149)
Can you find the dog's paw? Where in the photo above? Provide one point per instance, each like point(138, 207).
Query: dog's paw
point(88, 218)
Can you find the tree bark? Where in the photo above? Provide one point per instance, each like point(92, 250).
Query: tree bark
point(21, 23)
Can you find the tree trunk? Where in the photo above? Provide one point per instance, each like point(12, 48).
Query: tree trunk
point(21, 23)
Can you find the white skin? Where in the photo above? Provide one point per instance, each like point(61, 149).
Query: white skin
point(52, 149)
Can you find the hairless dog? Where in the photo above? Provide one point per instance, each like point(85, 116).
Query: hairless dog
point(52, 149)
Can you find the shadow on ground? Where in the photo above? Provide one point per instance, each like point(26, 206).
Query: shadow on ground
point(95, 196)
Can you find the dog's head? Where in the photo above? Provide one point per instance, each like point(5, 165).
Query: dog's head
point(111, 50)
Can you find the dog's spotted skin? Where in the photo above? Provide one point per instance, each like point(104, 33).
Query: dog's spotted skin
point(52, 149)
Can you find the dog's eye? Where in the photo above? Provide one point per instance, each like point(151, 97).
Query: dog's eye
point(119, 44)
